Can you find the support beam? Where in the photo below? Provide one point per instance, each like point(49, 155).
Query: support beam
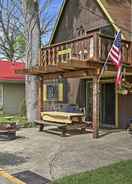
point(52, 69)
point(95, 108)
point(71, 74)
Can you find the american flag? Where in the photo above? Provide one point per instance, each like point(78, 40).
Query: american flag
point(115, 51)
point(119, 76)
point(115, 56)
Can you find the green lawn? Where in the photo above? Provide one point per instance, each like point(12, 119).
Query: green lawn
point(119, 173)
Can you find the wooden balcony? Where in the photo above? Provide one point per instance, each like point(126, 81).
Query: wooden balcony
point(79, 57)
point(93, 47)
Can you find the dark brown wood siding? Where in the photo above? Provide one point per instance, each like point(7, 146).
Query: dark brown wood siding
point(125, 110)
point(76, 92)
point(79, 17)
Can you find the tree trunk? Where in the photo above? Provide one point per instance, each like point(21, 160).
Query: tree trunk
point(32, 33)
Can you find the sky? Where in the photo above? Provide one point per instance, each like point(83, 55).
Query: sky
point(50, 13)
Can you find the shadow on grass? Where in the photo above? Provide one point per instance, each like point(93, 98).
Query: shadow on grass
point(9, 159)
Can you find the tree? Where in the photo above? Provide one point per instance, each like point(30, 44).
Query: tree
point(12, 44)
point(33, 44)
point(22, 24)
point(19, 47)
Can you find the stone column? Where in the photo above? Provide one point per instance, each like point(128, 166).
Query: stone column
point(40, 97)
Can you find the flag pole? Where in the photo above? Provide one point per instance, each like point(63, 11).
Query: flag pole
point(103, 68)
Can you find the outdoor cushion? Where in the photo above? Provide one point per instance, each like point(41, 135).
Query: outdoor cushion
point(61, 117)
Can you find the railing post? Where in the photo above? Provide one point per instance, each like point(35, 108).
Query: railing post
point(49, 57)
point(53, 56)
point(95, 107)
point(96, 46)
point(130, 54)
point(57, 56)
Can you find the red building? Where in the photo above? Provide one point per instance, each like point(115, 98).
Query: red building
point(12, 88)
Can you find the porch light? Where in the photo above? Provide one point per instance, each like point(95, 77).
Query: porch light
point(123, 91)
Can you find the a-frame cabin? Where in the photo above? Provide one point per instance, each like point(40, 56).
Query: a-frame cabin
point(70, 66)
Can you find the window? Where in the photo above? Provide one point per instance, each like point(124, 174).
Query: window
point(52, 92)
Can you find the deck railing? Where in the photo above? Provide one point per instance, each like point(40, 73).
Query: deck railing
point(105, 44)
point(94, 47)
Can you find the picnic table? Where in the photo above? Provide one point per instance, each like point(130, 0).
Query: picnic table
point(63, 120)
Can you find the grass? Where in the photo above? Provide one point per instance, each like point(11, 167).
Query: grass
point(119, 173)
point(21, 120)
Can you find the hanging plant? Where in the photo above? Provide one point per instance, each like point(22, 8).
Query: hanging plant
point(123, 91)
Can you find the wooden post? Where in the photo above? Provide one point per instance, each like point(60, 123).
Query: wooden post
point(116, 108)
point(40, 97)
point(96, 46)
point(95, 108)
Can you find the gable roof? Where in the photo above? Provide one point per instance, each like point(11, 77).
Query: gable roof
point(118, 13)
point(7, 71)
